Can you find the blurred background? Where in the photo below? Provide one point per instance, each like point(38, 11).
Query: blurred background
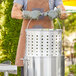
point(10, 30)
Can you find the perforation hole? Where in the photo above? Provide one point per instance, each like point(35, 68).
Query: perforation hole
point(32, 44)
point(36, 41)
point(47, 36)
point(36, 35)
point(41, 54)
point(36, 45)
point(47, 51)
point(51, 48)
point(52, 51)
point(32, 50)
point(56, 54)
point(29, 35)
point(42, 48)
point(28, 41)
point(52, 35)
point(42, 39)
point(42, 36)
point(56, 35)
point(41, 45)
point(36, 48)
point(51, 42)
point(47, 39)
point(51, 45)
point(28, 38)
point(41, 51)
point(47, 42)
point(47, 48)
point(32, 38)
point(41, 42)
point(46, 54)
point(47, 45)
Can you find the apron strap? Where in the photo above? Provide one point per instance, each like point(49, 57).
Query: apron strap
point(51, 4)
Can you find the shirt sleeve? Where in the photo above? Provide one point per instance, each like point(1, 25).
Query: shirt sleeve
point(18, 1)
point(58, 2)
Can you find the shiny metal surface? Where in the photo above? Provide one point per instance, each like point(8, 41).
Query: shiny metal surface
point(10, 68)
point(5, 73)
point(44, 66)
point(43, 53)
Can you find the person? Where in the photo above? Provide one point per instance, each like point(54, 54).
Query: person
point(29, 5)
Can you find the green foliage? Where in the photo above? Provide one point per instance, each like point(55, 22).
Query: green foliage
point(75, 46)
point(74, 54)
point(10, 30)
point(72, 69)
point(66, 71)
point(69, 23)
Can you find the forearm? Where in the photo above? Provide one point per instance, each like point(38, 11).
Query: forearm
point(62, 7)
point(17, 15)
point(16, 11)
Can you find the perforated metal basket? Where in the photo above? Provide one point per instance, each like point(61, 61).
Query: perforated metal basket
point(43, 53)
point(43, 42)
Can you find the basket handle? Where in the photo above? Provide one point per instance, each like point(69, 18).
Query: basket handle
point(58, 23)
point(31, 20)
point(29, 23)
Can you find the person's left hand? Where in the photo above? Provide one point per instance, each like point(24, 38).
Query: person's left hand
point(52, 14)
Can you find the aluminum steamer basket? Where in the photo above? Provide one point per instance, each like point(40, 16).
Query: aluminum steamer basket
point(43, 53)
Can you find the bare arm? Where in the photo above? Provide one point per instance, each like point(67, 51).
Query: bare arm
point(16, 11)
point(63, 15)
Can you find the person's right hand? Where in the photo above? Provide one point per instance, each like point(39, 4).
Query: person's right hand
point(31, 14)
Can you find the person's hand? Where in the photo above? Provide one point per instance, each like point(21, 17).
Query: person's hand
point(63, 11)
point(53, 13)
point(31, 14)
point(63, 15)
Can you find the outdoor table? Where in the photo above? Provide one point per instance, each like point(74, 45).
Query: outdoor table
point(8, 69)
